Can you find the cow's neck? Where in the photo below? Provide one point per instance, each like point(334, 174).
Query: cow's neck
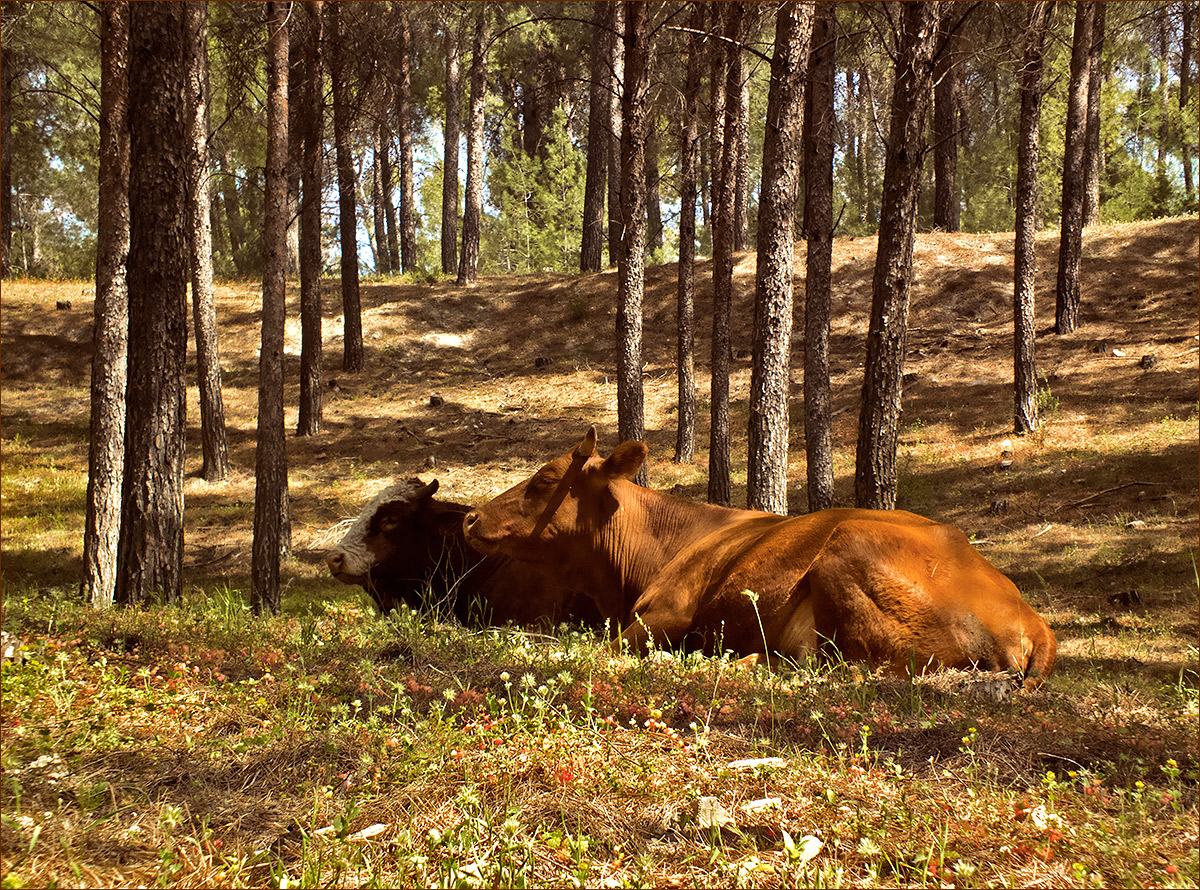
point(647, 531)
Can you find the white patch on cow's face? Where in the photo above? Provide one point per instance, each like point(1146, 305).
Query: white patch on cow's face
point(357, 559)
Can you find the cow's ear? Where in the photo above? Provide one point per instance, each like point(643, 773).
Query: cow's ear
point(626, 460)
point(427, 491)
point(587, 447)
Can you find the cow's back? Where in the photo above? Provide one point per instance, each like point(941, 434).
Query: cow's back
point(888, 587)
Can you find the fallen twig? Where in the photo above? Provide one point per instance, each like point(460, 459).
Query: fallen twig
point(1092, 497)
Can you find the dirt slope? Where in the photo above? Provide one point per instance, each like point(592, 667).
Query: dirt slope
point(521, 366)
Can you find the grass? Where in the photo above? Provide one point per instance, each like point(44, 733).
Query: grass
point(198, 745)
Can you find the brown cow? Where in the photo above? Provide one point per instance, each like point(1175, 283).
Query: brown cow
point(407, 547)
point(887, 587)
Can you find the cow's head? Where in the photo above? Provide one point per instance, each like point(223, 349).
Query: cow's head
point(573, 494)
point(394, 544)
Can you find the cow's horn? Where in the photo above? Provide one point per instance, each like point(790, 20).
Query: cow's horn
point(428, 491)
point(588, 445)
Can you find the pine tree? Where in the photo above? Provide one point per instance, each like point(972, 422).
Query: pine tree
point(770, 381)
point(272, 528)
point(1025, 413)
point(818, 232)
point(150, 551)
point(875, 463)
point(110, 332)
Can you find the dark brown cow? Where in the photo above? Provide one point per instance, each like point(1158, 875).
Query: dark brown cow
point(889, 588)
point(407, 547)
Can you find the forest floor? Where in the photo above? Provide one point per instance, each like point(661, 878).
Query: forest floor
point(196, 745)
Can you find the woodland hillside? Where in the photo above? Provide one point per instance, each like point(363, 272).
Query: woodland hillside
point(523, 365)
point(195, 745)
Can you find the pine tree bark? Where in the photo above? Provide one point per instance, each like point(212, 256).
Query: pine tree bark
point(819, 135)
point(719, 486)
point(631, 262)
point(591, 252)
point(150, 551)
point(716, 112)
point(379, 230)
point(1093, 157)
point(110, 332)
point(741, 187)
point(1066, 294)
point(770, 376)
point(272, 528)
point(654, 220)
point(387, 172)
point(1025, 413)
point(352, 343)
point(231, 201)
point(468, 266)
point(214, 447)
point(685, 321)
point(947, 77)
point(408, 194)
point(451, 131)
point(295, 147)
point(875, 459)
point(311, 261)
point(1187, 55)
point(8, 73)
point(617, 66)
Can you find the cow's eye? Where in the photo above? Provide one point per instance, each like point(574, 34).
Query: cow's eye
point(542, 483)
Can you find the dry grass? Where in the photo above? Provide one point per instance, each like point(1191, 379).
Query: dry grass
point(173, 775)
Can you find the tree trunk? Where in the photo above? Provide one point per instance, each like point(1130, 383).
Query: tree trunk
point(685, 437)
point(947, 76)
point(352, 344)
point(215, 466)
point(770, 380)
point(8, 73)
point(654, 221)
point(235, 224)
point(110, 332)
point(617, 66)
point(875, 460)
point(723, 234)
point(450, 42)
point(718, 14)
point(1066, 294)
point(1093, 156)
point(631, 263)
point(150, 552)
point(1162, 27)
point(311, 261)
point(408, 194)
point(387, 172)
point(272, 528)
point(382, 256)
point(295, 148)
point(819, 125)
point(468, 266)
point(1025, 413)
point(591, 252)
point(741, 169)
point(1187, 56)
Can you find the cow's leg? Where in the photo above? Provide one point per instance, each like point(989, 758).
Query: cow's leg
point(661, 618)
